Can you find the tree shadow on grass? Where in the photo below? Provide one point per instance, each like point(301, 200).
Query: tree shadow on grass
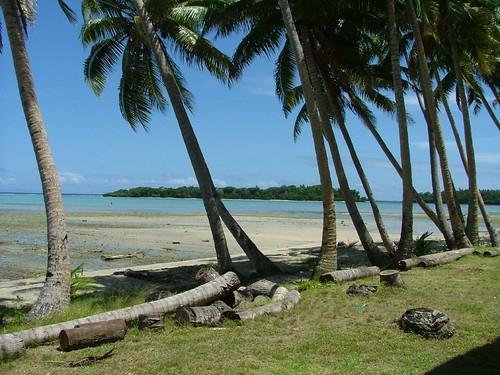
point(482, 360)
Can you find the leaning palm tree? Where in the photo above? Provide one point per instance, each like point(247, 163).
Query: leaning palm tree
point(405, 242)
point(328, 257)
point(54, 295)
point(124, 28)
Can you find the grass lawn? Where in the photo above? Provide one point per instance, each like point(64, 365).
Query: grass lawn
point(328, 332)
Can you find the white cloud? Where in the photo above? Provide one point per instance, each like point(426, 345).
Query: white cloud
point(188, 181)
point(425, 145)
point(7, 180)
point(260, 86)
point(488, 157)
point(71, 178)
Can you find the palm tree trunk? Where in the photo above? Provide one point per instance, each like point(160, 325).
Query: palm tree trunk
point(436, 188)
point(472, 227)
point(323, 69)
point(375, 255)
point(488, 108)
point(54, 295)
point(405, 243)
point(445, 231)
point(263, 265)
point(195, 155)
point(328, 256)
point(486, 217)
point(455, 219)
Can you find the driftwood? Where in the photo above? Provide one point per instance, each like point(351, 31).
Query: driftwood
point(201, 295)
point(392, 278)
point(434, 259)
point(121, 256)
point(262, 287)
point(290, 300)
point(153, 322)
point(206, 274)
point(487, 253)
point(92, 334)
point(350, 274)
point(199, 316)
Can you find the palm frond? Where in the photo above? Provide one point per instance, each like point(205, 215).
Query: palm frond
point(68, 12)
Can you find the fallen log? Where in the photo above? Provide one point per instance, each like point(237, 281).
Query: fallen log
point(290, 300)
point(262, 287)
point(92, 334)
point(121, 256)
point(279, 294)
point(201, 295)
point(434, 259)
point(491, 253)
point(199, 316)
point(392, 278)
point(350, 274)
point(208, 273)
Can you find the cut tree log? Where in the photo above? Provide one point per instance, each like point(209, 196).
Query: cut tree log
point(350, 274)
point(392, 278)
point(491, 253)
point(290, 300)
point(279, 294)
point(434, 259)
point(154, 322)
point(208, 273)
point(199, 316)
point(12, 347)
point(201, 295)
point(262, 287)
point(92, 334)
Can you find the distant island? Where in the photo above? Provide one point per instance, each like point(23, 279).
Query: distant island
point(285, 192)
point(489, 196)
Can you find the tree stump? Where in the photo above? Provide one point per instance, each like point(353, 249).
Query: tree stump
point(153, 322)
point(262, 288)
point(199, 316)
point(206, 274)
point(427, 322)
point(392, 278)
point(92, 334)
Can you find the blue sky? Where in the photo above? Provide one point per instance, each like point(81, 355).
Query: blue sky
point(242, 131)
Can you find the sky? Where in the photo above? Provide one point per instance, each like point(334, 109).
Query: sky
point(242, 131)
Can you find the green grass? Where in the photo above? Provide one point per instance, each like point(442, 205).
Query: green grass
point(328, 332)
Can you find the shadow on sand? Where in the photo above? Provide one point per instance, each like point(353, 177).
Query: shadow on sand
point(484, 360)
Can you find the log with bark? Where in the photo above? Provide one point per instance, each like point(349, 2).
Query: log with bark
point(392, 278)
point(208, 273)
point(434, 259)
point(487, 253)
point(289, 301)
point(92, 334)
point(262, 287)
point(201, 295)
point(350, 274)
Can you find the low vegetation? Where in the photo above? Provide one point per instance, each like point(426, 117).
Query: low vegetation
point(327, 332)
point(285, 192)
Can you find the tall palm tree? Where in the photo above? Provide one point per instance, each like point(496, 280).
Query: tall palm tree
point(54, 295)
point(453, 209)
point(406, 239)
point(113, 29)
point(328, 257)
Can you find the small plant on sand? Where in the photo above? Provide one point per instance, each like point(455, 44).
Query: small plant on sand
point(423, 245)
point(79, 283)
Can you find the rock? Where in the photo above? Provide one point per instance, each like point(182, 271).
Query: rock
point(363, 289)
point(427, 322)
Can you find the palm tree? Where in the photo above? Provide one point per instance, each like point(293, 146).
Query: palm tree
point(54, 295)
point(429, 100)
point(112, 28)
point(405, 242)
point(328, 257)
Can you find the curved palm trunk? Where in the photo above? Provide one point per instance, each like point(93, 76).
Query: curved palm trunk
point(195, 155)
point(405, 242)
point(445, 231)
point(328, 256)
point(54, 295)
point(472, 227)
point(436, 188)
point(486, 217)
point(323, 69)
point(489, 109)
point(455, 218)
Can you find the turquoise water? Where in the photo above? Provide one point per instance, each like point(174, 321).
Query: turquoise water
point(98, 203)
